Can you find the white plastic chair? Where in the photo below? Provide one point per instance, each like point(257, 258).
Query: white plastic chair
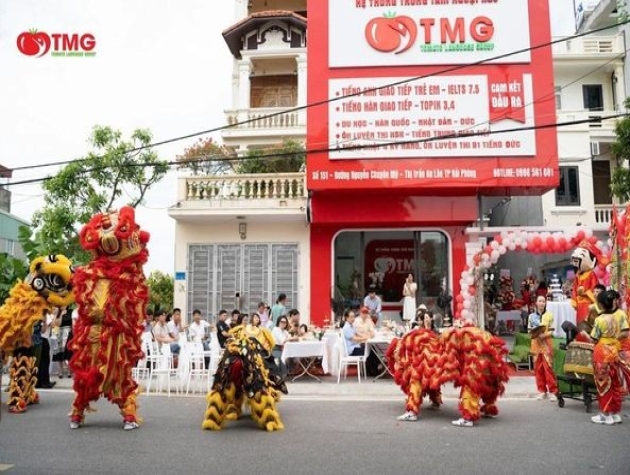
point(346, 360)
point(163, 369)
point(143, 369)
point(197, 367)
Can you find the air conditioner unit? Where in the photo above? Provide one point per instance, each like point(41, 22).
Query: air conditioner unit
point(595, 150)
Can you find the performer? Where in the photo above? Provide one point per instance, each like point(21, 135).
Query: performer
point(541, 329)
point(584, 259)
point(414, 376)
point(409, 299)
point(608, 330)
point(243, 376)
point(472, 358)
point(46, 286)
point(112, 296)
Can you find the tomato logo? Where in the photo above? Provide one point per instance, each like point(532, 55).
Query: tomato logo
point(33, 43)
point(391, 33)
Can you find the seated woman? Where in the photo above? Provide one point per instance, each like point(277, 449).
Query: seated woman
point(281, 336)
point(303, 331)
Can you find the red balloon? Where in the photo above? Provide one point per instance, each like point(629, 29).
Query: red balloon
point(498, 239)
point(562, 242)
point(537, 241)
point(459, 298)
point(472, 290)
point(551, 242)
point(477, 259)
point(580, 235)
point(593, 239)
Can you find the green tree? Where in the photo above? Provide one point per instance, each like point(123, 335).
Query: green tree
point(11, 269)
point(620, 182)
point(161, 289)
point(115, 172)
point(206, 157)
point(291, 157)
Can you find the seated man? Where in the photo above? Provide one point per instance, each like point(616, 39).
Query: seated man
point(355, 344)
point(162, 337)
point(198, 330)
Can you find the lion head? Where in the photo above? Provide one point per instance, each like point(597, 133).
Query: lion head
point(50, 277)
point(114, 235)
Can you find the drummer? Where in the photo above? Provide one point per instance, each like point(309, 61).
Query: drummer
point(541, 329)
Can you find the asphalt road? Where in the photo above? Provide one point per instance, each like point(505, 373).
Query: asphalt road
point(329, 437)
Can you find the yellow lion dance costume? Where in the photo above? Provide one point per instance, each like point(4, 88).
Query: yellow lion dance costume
point(471, 358)
point(243, 376)
point(111, 297)
point(46, 286)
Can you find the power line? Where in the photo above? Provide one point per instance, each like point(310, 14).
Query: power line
point(360, 147)
point(343, 97)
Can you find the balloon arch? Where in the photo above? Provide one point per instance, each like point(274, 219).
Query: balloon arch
point(467, 305)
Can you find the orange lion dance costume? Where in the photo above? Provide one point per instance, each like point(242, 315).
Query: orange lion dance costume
point(471, 358)
point(46, 286)
point(111, 297)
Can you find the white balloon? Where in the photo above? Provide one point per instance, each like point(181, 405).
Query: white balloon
point(467, 304)
point(599, 245)
point(502, 250)
point(518, 241)
point(588, 233)
point(524, 245)
point(494, 256)
point(485, 257)
point(512, 246)
point(504, 234)
point(470, 281)
point(494, 244)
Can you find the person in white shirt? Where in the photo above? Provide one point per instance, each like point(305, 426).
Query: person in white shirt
point(281, 336)
point(174, 325)
point(198, 330)
point(374, 304)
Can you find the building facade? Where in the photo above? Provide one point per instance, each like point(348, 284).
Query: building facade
point(323, 240)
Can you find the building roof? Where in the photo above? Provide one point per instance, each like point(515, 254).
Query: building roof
point(234, 34)
point(5, 172)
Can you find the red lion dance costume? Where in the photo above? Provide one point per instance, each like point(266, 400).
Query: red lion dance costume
point(473, 359)
point(111, 296)
point(46, 286)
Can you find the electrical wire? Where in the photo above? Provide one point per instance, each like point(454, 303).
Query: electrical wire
point(342, 97)
point(361, 147)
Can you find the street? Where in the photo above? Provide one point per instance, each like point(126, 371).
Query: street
point(331, 436)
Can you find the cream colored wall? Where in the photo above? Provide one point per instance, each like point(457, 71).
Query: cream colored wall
point(572, 99)
point(257, 232)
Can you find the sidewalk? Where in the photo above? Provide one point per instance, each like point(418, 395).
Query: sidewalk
point(522, 387)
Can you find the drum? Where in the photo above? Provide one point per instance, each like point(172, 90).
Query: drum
point(579, 358)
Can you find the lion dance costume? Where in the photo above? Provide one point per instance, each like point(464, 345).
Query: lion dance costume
point(243, 375)
point(111, 296)
point(46, 286)
point(471, 358)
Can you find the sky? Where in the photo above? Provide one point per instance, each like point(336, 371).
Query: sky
point(160, 65)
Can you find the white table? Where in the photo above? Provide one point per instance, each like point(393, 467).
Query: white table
point(379, 345)
point(306, 353)
point(562, 312)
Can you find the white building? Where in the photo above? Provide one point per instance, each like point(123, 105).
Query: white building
point(245, 238)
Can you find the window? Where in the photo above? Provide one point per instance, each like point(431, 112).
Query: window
point(568, 193)
point(601, 182)
point(558, 92)
point(593, 97)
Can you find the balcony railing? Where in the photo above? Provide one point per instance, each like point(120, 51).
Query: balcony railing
point(604, 213)
point(595, 119)
point(591, 45)
point(282, 186)
point(259, 119)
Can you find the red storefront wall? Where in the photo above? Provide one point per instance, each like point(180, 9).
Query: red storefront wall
point(333, 213)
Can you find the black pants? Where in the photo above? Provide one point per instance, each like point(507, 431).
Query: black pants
point(43, 365)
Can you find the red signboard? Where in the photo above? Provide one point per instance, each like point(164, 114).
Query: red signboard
point(431, 95)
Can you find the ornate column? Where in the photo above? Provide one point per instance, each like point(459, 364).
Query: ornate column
point(244, 84)
point(301, 87)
